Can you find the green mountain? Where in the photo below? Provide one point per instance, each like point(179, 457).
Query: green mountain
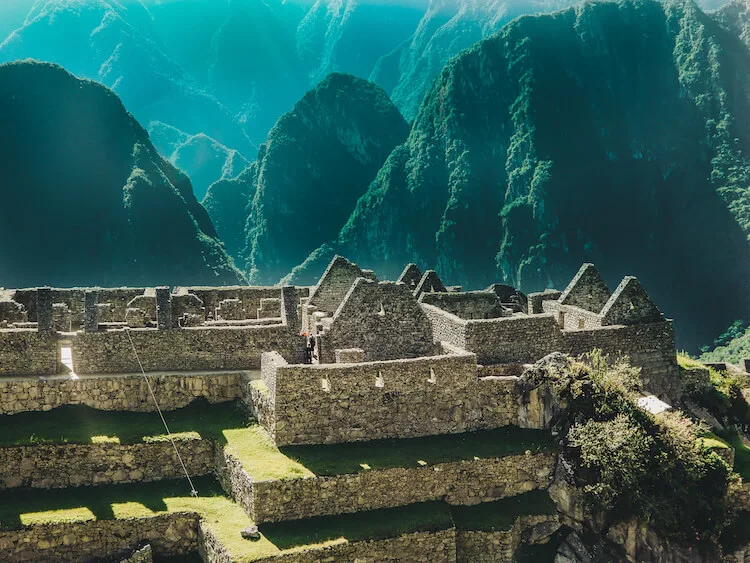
point(117, 44)
point(607, 133)
point(317, 161)
point(87, 200)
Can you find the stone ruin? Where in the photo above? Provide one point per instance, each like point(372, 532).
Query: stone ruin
point(394, 360)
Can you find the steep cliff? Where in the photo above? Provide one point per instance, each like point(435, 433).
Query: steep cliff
point(318, 160)
point(606, 133)
point(86, 198)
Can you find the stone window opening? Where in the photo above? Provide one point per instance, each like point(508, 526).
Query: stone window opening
point(433, 378)
point(561, 319)
point(581, 324)
point(325, 385)
point(379, 381)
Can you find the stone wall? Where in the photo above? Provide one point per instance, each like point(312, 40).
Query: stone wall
point(649, 346)
point(383, 319)
point(141, 555)
point(570, 317)
point(417, 547)
point(186, 349)
point(527, 338)
point(318, 404)
point(335, 282)
point(249, 297)
point(446, 327)
point(118, 393)
point(118, 297)
point(467, 304)
point(73, 465)
point(500, 546)
point(28, 352)
point(462, 482)
point(169, 535)
point(510, 340)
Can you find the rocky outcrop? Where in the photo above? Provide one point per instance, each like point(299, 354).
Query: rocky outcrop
point(87, 200)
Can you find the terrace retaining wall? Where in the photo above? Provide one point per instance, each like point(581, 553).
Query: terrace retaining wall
point(169, 535)
point(118, 393)
point(417, 547)
point(501, 546)
point(462, 482)
point(73, 465)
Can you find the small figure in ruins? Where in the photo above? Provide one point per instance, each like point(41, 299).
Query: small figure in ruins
point(311, 346)
point(308, 351)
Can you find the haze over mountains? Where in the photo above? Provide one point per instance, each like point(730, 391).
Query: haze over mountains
point(87, 200)
point(228, 69)
point(611, 133)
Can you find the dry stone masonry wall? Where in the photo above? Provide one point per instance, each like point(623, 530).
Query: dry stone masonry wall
point(172, 534)
point(117, 392)
point(74, 465)
point(462, 483)
point(320, 404)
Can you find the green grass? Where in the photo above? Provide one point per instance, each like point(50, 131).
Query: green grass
point(337, 459)
point(79, 424)
point(501, 515)
point(224, 517)
point(713, 442)
point(374, 524)
point(741, 454)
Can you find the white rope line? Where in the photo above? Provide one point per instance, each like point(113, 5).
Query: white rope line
point(193, 492)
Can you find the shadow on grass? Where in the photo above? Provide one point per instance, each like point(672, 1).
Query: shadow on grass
point(78, 424)
point(375, 524)
point(501, 514)
point(337, 459)
point(99, 500)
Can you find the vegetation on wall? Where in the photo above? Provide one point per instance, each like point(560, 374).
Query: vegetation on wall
point(629, 464)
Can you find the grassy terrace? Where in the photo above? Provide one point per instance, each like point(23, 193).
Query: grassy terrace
point(226, 519)
point(501, 515)
point(228, 424)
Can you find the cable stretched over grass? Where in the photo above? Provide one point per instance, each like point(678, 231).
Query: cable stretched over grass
point(193, 492)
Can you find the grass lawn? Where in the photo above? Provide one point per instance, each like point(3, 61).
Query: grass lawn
point(374, 524)
point(741, 454)
point(501, 515)
point(79, 424)
point(337, 459)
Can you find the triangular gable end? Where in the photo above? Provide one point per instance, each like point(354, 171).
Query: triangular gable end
point(587, 290)
point(335, 282)
point(630, 304)
point(410, 276)
point(430, 283)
